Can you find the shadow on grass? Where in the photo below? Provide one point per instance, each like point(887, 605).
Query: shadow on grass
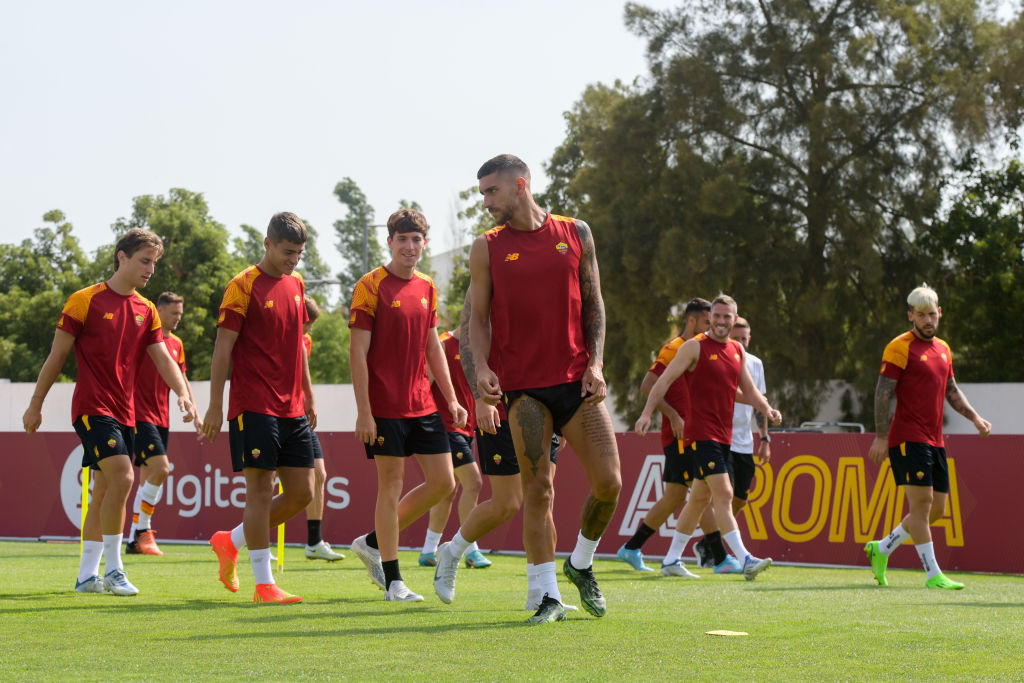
point(102, 603)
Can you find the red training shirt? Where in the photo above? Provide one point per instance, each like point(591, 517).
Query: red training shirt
point(715, 380)
point(151, 391)
point(922, 369)
point(677, 395)
point(462, 391)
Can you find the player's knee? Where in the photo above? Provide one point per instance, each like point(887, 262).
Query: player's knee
point(319, 478)
point(158, 473)
point(538, 491)
point(608, 489)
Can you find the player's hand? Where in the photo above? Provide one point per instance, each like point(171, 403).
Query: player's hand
point(643, 423)
point(764, 452)
point(32, 418)
point(983, 426)
point(212, 423)
point(459, 414)
point(488, 386)
point(309, 407)
point(677, 426)
point(879, 450)
point(487, 418)
point(594, 388)
point(186, 406)
point(775, 416)
point(366, 428)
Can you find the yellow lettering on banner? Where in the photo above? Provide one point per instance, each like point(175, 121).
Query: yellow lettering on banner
point(950, 520)
point(760, 494)
point(872, 517)
point(818, 471)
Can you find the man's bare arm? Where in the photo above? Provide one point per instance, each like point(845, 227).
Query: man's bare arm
point(593, 315)
point(884, 392)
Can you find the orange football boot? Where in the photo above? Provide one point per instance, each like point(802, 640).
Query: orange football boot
point(228, 557)
point(269, 592)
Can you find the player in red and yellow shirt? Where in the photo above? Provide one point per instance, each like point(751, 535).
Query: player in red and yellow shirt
point(152, 428)
point(394, 339)
point(536, 297)
point(271, 408)
point(111, 328)
point(714, 368)
point(917, 368)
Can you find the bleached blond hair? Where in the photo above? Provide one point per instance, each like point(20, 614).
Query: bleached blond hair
point(922, 298)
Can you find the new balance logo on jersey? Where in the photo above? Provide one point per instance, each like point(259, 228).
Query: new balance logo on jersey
point(108, 316)
point(514, 256)
point(396, 304)
point(268, 304)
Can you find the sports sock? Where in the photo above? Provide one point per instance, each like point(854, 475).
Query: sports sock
point(313, 532)
point(926, 551)
point(895, 538)
point(260, 561)
point(136, 507)
point(713, 542)
point(150, 495)
point(583, 554)
point(531, 575)
point(547, 580)
point(473, 547)
point(735, 542)
point(112, 552)
point(238, 537)
point(457, 546)
point(92, 553)
point(371, 540)
point(391, 572)
point(430, 541)
point(643, 532)
point(676, 548)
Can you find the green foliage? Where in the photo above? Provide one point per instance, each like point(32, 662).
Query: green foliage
point(350, 231)
point(329, 359)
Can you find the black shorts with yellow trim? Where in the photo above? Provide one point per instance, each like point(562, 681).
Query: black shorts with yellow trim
point(406, 436)
point(680, 464)
point(561, 400)
point(497, 452)
point(150, 440)
point(462, 449)
point(102, 436)
point(712, 458)
point(741, 473)
point(268, 442)
point(920, 464)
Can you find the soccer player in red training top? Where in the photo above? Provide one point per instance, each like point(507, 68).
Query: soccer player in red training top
point(536, 293)
point(152, 428)
point(394, 338)
point(271, 408)
point(714, 368)
point(110, 326)
point(316, 547)
point(917, 368)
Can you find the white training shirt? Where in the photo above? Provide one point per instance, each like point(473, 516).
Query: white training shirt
point(743, 414)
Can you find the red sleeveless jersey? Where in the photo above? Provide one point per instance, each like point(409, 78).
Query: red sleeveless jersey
point(677, 395)
point(536, 325)
point(714, 380)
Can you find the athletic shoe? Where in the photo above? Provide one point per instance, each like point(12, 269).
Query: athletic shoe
point(323, 551)
point(677, 568)
point(548, 611)
point(94, 584)
point(146, 541)
point(590, 594)
point(704, 557)
point(428, 559)
point(271, 593)
point(228, 558)
point(944, 582)
point(476, 560)
point(879, 561)
point(398, 592)
point(634, 558)
point(730, 565)
point(116, 582)
point(533, 600)
point(444, 575)
point(132, 549)
point(752, 566)
point(371, 559)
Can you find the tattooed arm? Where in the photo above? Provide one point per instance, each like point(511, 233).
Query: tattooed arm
point(884, 391)
point(593, 317)
point(958, 400)
point(486, 414)
point(477, 347)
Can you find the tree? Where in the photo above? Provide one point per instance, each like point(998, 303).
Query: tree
point(329, 359)
point(351, 231)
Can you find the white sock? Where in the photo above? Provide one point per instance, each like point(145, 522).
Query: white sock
point(583, 554)
point(150, 493)
point(926, 551)
point(457, 546)
point(676, 548)
point(547, 580)
point(431, 541)
point(136, 511)
point(260, 561)
point(473, 547)
point(112, 552)
point(893, 540)
point(89, 565)
point(531, 575)
point(238, 537)
point(735, 542)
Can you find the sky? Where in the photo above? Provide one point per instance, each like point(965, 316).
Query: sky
point(264, 106)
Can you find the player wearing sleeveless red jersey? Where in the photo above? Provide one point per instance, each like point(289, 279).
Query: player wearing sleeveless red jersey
point(110, 327)
point(536, 294)
point(714, 368)
point(271, 409)
point(917, 368)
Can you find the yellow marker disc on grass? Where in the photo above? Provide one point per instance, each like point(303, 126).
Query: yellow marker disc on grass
point(727, 633)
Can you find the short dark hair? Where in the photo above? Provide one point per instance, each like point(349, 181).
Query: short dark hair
point(287, 227)
point(169, 298)
point(135, 239)
point(696, 305)
point(407, 220)
point(726, 300)
point(741, 323)
point(505, 163)
point(312, 310)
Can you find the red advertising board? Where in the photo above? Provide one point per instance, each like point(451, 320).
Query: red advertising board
point(818, 501)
